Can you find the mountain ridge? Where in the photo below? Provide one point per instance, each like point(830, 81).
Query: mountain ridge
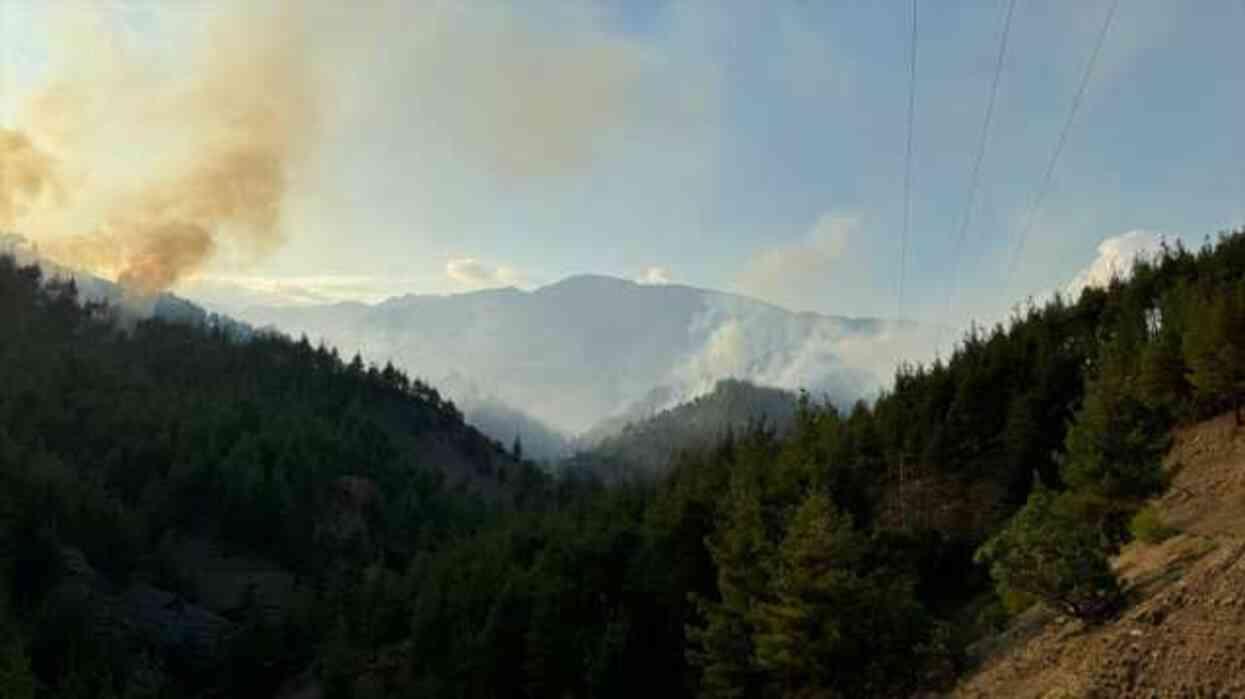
point(589, 347)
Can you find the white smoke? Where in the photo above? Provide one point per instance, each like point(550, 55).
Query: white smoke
point(654, 276)
point(744, 340)
point(1116, 256)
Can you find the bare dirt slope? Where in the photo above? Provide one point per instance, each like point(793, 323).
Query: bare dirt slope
point(1183, 634)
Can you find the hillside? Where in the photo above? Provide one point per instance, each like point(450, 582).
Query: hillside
point(127, 307)
point(648, 447)
point(186, 512)
point(1181, 634)
point(173, 493)
point(588, 348)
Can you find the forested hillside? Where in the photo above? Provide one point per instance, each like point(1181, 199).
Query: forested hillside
point(858, 554)
point(123, 449)
point(647, 447)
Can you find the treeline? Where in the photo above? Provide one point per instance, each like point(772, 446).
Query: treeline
point(118, 438)
point(860, 553)
point(645, 448)
point(803, 565)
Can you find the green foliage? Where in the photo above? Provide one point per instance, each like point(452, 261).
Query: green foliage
point(649, 447)
point(754, 562)
point(1148, 526)
point(1016, 601)
point(16, 679)
point(724, 648)
point(113, 437)
point(1214, 347)
point(1055, 556)
point(826, 623)
point(1116, 443)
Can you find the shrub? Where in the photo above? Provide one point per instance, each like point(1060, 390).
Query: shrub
point(1148, 526)
point(1055, 556)
point(1017, 601)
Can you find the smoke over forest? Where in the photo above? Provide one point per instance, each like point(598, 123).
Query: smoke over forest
point(143, 172)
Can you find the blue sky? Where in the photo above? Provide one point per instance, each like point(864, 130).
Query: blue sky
point(747, 146)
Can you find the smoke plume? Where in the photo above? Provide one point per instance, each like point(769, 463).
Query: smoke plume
point(144, 172)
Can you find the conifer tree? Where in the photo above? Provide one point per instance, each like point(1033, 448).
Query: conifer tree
point(800, 639)
point(1214, 347)
point(1116, 441)
point(723, 647)
point(1055, 556)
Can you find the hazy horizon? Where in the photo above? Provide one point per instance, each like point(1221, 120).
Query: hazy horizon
point(496, 144)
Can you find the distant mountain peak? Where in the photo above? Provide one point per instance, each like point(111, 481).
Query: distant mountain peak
point(592, 346)
point(590, 281)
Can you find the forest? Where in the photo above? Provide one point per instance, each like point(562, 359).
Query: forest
point(855, 553)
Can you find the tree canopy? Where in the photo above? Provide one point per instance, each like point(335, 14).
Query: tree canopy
point(857, 553)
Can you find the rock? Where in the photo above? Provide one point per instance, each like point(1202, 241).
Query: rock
point(229, 584)
point(169, 623)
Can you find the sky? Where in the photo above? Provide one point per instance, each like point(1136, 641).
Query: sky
point(744, 146)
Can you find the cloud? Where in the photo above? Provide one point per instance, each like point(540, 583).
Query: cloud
point(654, 276)
point(472, 273)
point(1116, 256)
point(793, 274)
point(236, 292)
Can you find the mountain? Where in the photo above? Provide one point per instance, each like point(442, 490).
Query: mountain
point(506, 423)
point(588, 348)
point(186, 514)
point(648, 447)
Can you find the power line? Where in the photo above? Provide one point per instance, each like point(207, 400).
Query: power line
point(975, 176)
point(1044, 187)
point(907, 166)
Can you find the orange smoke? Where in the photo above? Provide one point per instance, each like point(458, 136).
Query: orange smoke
point(143, 176)
point(27, 178)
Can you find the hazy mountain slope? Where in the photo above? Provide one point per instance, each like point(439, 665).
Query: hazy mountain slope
point(589, 347)
point(647, 447)
point(505, 423)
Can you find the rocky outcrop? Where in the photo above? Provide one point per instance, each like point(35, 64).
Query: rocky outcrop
point(168, 623)
point(230, 584)
point(137, 615)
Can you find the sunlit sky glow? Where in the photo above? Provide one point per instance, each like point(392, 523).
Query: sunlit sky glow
point(752, 147)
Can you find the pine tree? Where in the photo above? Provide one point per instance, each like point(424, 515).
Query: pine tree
point(1162, 375)
point(1055, 556)
point(723, 648)
point(1214, 348)
point(1114, 450)
point(1116, 442)
point(800, 639)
